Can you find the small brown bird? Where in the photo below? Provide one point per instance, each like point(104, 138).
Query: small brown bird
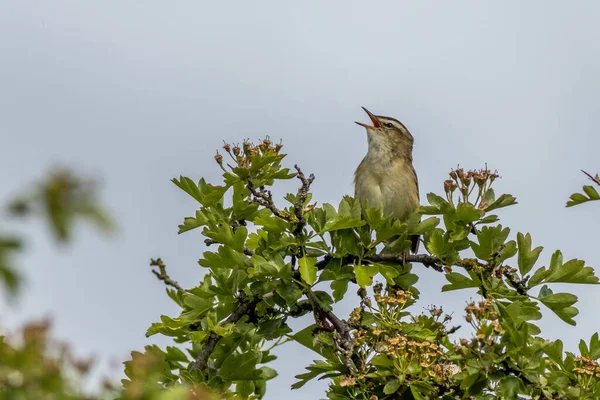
point(386, 177)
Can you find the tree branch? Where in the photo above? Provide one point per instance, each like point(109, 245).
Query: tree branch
point(520, 285)
point(264, 198)
point(344, 339)
point(301, 199)
point(246, 306)
point(162, 275)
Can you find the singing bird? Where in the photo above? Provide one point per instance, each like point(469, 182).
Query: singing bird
point(386, 177)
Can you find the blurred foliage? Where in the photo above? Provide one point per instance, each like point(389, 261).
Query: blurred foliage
point(32, 365)
point(61, 199)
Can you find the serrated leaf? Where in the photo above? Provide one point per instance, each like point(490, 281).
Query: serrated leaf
point(554, 350)
point(578, 198)
point(425, 226)
point(467, 213)
point(527, 256)
point(188, 186)
point(504, 200)
point(438, 244)
point(364, 274)
point(561, 304)
point(458, 281)
point(490, 239)
point(488, 220)
point(508, 251)
point(342, 223)
point(558, 300)
point(241, 367)
point(591, 192)
point(511, 386)
point(271, 223)
point(305, 337)
point(339, 287)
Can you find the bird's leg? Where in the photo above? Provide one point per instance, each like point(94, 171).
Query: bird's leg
point(403, 256)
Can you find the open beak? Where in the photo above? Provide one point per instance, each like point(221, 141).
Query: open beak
point(373, 118)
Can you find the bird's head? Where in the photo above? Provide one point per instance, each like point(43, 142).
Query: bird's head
point(387, 135)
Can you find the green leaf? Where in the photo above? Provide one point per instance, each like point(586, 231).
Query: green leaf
point(308, 270)
point(272, 223)
point(557, 300)
point(458, 281)
point(339, 287)
point(504, 200)
point(511, 386)
point(244, 388)
point(391, 386)
point(591, 192)
point(188, 186)
point(508, 251)
point(474, 383)
point(241, 367)
point(490, 239)
point(439, 202)
point(554, 350)
point(190, 223)
point(573, 271)
point(365, 274)
point(342, 223)
point(267, 372)
point(578, 198)
point(206, 194)
point(425, 226)
point(593, 351)
point(560, 303)
point(527, 256)
point(306, 337)
point(439, 245)
point(488, 220)
point(467, 213)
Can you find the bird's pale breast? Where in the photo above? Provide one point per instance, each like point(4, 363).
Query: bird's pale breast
point(391, 186)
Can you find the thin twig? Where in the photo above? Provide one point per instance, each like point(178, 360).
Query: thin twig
point(162, 275)
point(343, 338)
point(595, 179)
point(301, 197)
point(265, 198)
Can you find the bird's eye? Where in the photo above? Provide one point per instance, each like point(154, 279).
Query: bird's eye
point(388, 125)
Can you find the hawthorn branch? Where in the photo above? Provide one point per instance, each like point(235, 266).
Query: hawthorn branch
point(162, 275)
point(301, 199)
point(264, 198)
point(341, 327)
point(429, 261)
point(245, 306)
point(520, 285)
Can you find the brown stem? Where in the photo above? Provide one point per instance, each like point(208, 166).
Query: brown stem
point(301, 199)
point(344, 339)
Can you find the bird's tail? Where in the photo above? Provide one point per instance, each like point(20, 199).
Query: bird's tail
point(414, 247)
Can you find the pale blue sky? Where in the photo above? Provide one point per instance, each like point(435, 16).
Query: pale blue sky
point(136, 93)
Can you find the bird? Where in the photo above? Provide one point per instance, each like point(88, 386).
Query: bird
point(386, 177)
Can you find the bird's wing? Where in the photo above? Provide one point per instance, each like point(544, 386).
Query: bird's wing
point(416, 182)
